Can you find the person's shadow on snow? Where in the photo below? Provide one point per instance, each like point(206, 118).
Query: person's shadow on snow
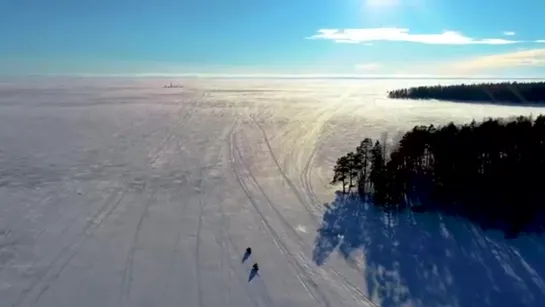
point(253, 273)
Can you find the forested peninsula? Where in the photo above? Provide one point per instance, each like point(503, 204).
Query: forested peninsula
point(504, 92)
point(492, 172)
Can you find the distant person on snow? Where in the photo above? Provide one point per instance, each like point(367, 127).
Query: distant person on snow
point(254, 272)
point(247, 254)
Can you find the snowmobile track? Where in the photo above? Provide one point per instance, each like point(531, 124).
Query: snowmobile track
point(95, 222)
point(300, 272)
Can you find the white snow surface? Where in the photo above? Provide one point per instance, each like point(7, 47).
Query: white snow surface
point(118, 192)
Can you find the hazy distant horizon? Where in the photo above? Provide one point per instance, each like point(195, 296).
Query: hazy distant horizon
point(270, 76)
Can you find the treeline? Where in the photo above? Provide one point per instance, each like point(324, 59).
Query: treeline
point(492, 172)
point(505, 92)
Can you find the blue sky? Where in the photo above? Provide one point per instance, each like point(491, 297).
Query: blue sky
point(371, 37)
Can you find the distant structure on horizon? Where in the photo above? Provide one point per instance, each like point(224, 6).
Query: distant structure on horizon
point(173, 85)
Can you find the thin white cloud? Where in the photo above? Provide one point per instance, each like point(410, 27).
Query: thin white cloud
point(509, 33)
point(346, 41)
point(518, 63)
point(517, 59)
point(368, 66)
point(402, 35)
point(542, 41)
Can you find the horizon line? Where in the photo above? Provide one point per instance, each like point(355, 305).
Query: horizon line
point(275, 76)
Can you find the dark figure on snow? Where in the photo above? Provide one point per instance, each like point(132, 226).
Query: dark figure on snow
point(253, 272)
point(247, 254)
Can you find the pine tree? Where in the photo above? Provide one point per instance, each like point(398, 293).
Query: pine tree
point(377, 173)
point(341, 172)
point(353, 169)
point(363, 153)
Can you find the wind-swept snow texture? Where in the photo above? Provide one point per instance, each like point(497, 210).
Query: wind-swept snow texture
point(124, 193)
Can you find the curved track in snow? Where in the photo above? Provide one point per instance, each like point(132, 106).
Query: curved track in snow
point(135, 195)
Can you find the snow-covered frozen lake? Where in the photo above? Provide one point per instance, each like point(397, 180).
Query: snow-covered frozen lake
point(118, 192)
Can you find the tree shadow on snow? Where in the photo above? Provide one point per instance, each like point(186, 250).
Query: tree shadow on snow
point(426, 259)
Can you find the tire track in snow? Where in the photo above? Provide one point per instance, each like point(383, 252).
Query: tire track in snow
point(322, 119)
point(293, 188)
point(80, 212)
point(323, 116)
point(126, 283)
point(197, 256)
point(307, 181)
point(307, 184)
point(224, 236)
point(347, 285)
point(75, 244)
point(175, 253)
point(307, 171)
point(177, 241)
point(203, 206)
point(230, 243)
point(176, 250)
point(44, 202)
point(58, 273)
point(96, 221)
point(232, 163)
point(163, 146)
point(43, 230)
point(232, 271)
point(265, 195)
point(287, 225)
point(299, 271)
point(318, 118)
point(306, 174)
